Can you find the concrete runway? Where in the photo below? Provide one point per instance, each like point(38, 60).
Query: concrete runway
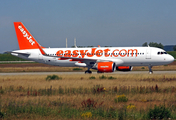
point(60, 73)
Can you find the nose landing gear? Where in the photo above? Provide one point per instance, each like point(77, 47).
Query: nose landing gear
point(150, 69)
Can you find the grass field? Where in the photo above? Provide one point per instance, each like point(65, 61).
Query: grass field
point(9, 57)
point(78, 96)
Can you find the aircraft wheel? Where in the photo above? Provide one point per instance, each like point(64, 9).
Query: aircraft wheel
point(88, 71)
point(150, 72)
point(99, 72)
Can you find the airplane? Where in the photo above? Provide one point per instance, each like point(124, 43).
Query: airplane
point(103, 59)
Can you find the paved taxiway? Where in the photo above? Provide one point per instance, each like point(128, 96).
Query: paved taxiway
point(60, 73)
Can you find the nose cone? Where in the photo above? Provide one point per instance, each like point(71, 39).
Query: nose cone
point(170, 59)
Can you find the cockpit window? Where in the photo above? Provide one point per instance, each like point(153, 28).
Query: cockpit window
point(160, 53)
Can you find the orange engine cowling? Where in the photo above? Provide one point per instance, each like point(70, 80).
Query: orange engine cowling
point(106, 66)
point(124, 68)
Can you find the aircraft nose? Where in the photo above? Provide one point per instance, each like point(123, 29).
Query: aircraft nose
point(170, 59)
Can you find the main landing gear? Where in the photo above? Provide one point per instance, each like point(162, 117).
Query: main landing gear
point(150, 69)
point(99, 72)
point(88, 71)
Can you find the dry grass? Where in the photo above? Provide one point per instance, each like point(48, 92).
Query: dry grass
point(156, 68)
point(82, 80)
point(77, 80)
point(37, 69)
point(142, 101)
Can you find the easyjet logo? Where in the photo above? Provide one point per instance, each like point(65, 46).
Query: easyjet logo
point(98, 53)
point(25, 34)
point(104, 66)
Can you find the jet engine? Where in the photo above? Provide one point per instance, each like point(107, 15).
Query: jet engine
point(105, 66)
point(124, 68)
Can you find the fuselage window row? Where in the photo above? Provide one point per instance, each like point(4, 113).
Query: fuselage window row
point(106, 54)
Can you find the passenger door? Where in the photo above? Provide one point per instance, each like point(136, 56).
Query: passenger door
point(148, 53)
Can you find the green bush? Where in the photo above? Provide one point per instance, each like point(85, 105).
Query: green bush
point(159, 112)
point(77, 69)
point(1, 115)
point(111, 78)
point(121, 98)
point(102, 77)
point(143, 68)
point(53, 77)
point(121, 114)
point(92, 77)
point(1, 91)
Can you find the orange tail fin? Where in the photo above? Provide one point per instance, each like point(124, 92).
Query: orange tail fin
point(25, 39)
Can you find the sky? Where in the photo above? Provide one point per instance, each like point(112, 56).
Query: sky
point(117, 23)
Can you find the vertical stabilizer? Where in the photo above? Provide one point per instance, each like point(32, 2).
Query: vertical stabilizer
point(25, 39)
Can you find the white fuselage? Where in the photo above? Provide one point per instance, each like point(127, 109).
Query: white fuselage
point(121, 56)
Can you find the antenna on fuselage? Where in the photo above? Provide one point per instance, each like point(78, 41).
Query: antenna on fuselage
point(66, 42)
point(75, 42)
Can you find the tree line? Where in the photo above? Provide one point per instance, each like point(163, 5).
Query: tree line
point(158, 45)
